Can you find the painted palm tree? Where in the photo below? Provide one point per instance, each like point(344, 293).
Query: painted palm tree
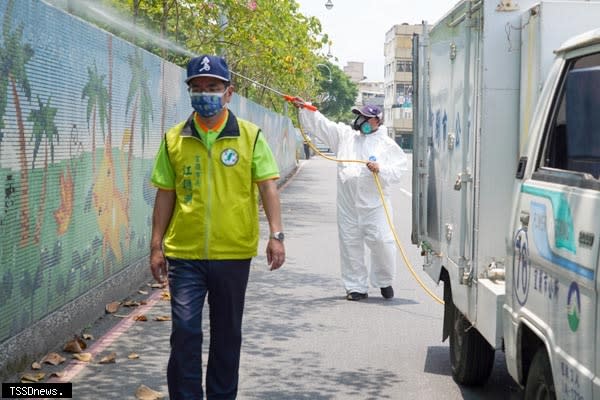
point(139, 94)
point(97, 104)
point(137, 97)
point(44, 129)
point(108, 201)
point(14, 55)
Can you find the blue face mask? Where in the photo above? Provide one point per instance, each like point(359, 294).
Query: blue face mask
point(207, 104)
point(366, 128)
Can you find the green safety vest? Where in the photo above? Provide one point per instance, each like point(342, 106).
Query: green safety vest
point(216, 211)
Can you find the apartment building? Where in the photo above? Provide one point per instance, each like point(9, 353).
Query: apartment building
point(398, 83)
point(369, 92)
point(355, 71)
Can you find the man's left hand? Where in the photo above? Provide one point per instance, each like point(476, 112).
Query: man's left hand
point(275, 254)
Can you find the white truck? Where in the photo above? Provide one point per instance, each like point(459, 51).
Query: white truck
point(506, 195)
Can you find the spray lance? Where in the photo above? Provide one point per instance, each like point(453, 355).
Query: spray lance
point(285, 96)
point(293, 99)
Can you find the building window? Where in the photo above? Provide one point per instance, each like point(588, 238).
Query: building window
point(404, 94)
point(403, 66)
point(405, 140)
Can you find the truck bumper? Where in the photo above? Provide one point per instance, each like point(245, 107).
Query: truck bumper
point(489, 310)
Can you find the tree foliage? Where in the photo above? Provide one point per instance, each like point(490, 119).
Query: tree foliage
point(265, 41)
point(336, 98)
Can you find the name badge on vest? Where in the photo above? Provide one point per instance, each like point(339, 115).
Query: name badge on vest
point(229, 157)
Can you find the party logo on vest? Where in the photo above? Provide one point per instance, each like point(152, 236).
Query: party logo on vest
point(229, 157)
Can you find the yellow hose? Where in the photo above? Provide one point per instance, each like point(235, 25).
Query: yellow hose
point(387, 215)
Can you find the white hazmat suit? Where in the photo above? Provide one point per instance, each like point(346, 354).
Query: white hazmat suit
point(360, 213)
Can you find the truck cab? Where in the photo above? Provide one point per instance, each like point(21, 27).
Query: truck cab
point(551, 312)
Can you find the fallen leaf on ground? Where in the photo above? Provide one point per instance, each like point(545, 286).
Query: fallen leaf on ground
point(112, 307)
point(121, 315)
point(156, 286)
point(38, 376)
point(54, 358)
point(57, 374)
point(87, 336)
point(85, 357)
point(165, 295)
point(143, 302)
point(131, 303)
point(141, 317)
point(77, 345)
point(109, 358)
point(142, 292)
point(133, 356)
point(36, 365)
point(145, 393)
point(163, 318)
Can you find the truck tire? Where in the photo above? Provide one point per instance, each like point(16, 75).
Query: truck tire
point(471, 356)
point(540, 385)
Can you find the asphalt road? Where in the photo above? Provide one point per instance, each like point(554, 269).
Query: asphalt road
point(302, 339)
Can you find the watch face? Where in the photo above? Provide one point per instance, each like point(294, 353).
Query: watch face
point(278, 235)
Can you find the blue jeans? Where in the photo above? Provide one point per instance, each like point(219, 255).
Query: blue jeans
point(225, 283)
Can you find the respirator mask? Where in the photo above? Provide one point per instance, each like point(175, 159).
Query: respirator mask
point(361, 124)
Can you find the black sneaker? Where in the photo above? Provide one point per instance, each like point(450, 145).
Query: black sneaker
point(387, 292)
point(355, 296)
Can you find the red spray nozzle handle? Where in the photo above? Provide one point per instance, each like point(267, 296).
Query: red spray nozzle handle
point(310, 107)
point(291, 99)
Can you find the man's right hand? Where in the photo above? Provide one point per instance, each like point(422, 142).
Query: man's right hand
point(158, 266)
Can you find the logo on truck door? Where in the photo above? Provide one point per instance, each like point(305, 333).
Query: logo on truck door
point(521, 267)
point(564, 238)
point(539, 232)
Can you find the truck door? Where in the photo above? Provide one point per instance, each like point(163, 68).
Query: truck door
point(420, 160)
point(419, 203)
point(557, 229)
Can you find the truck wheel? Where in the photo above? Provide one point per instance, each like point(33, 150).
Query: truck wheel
point(471, 356)
point(540, 385)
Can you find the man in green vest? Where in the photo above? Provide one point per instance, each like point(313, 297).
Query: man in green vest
point(205, 228)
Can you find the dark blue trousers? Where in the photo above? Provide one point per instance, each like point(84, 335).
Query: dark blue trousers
point(225, 283)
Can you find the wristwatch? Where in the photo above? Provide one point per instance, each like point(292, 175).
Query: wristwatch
point(277, 236)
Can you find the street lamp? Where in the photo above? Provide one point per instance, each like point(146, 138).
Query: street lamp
point(328, 70)
point(329, 5)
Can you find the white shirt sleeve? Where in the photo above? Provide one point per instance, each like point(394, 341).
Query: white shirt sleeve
point(322, 128)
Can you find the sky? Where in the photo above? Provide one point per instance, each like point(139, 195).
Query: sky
point(357, 28)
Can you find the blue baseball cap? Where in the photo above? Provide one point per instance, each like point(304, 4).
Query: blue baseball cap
point(368, 111)
point(206, 65)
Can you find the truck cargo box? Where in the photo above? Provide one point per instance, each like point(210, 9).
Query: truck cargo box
point(478, 75)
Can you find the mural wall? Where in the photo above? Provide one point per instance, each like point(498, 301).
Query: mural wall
point(81, 116)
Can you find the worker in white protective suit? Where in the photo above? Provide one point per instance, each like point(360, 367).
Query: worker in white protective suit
point(360, 212)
